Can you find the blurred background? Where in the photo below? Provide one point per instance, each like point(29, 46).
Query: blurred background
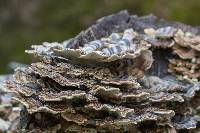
point(27, 22)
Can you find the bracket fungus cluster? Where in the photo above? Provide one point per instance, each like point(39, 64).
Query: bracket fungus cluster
point(186, 45)
point(9, 109)
point(123, 74)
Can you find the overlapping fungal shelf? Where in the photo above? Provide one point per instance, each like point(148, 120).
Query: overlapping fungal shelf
point(123, 74)
point(9, 109)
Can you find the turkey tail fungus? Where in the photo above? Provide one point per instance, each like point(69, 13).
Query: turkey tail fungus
point(123, 74)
